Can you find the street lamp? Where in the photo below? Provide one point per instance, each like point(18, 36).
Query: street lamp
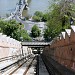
point(21, 38)
point(71, 21)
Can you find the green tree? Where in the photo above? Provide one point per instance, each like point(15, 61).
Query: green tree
point(53, 24)
point(45, 17)
point(13, 29)
point(37, 16)
point(59, 18)
point(25, 35)
point(38, 13)
point(35, 32)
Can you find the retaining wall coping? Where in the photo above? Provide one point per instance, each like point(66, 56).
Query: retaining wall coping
point(73, 27)
point(68, 31)
point(63, 34)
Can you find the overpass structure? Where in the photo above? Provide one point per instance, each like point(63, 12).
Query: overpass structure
point(36, 44)
point(37, 47)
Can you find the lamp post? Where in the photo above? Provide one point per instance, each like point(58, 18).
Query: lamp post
point(21, 38)
point(71, 21)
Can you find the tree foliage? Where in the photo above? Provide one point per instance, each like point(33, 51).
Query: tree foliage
point(59, 18)
point(35, 32)
point(39, 16)
point(14, 30)
point(38, 13)
point(36, 18)
point(45, 17)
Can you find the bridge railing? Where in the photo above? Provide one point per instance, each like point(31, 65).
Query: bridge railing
point(36, 43)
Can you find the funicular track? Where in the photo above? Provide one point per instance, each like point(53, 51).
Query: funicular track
point(26, 66)
point(24, 63)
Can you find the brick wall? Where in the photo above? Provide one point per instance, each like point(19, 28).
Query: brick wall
point(63, 49)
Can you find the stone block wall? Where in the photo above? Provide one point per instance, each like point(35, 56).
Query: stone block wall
point(9, 46)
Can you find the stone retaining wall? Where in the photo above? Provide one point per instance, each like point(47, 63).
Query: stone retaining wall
point(9, 46)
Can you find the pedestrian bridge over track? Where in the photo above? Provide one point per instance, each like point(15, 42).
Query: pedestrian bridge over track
point(36, 44)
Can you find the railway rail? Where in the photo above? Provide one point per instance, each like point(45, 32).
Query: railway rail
point(22, 67)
